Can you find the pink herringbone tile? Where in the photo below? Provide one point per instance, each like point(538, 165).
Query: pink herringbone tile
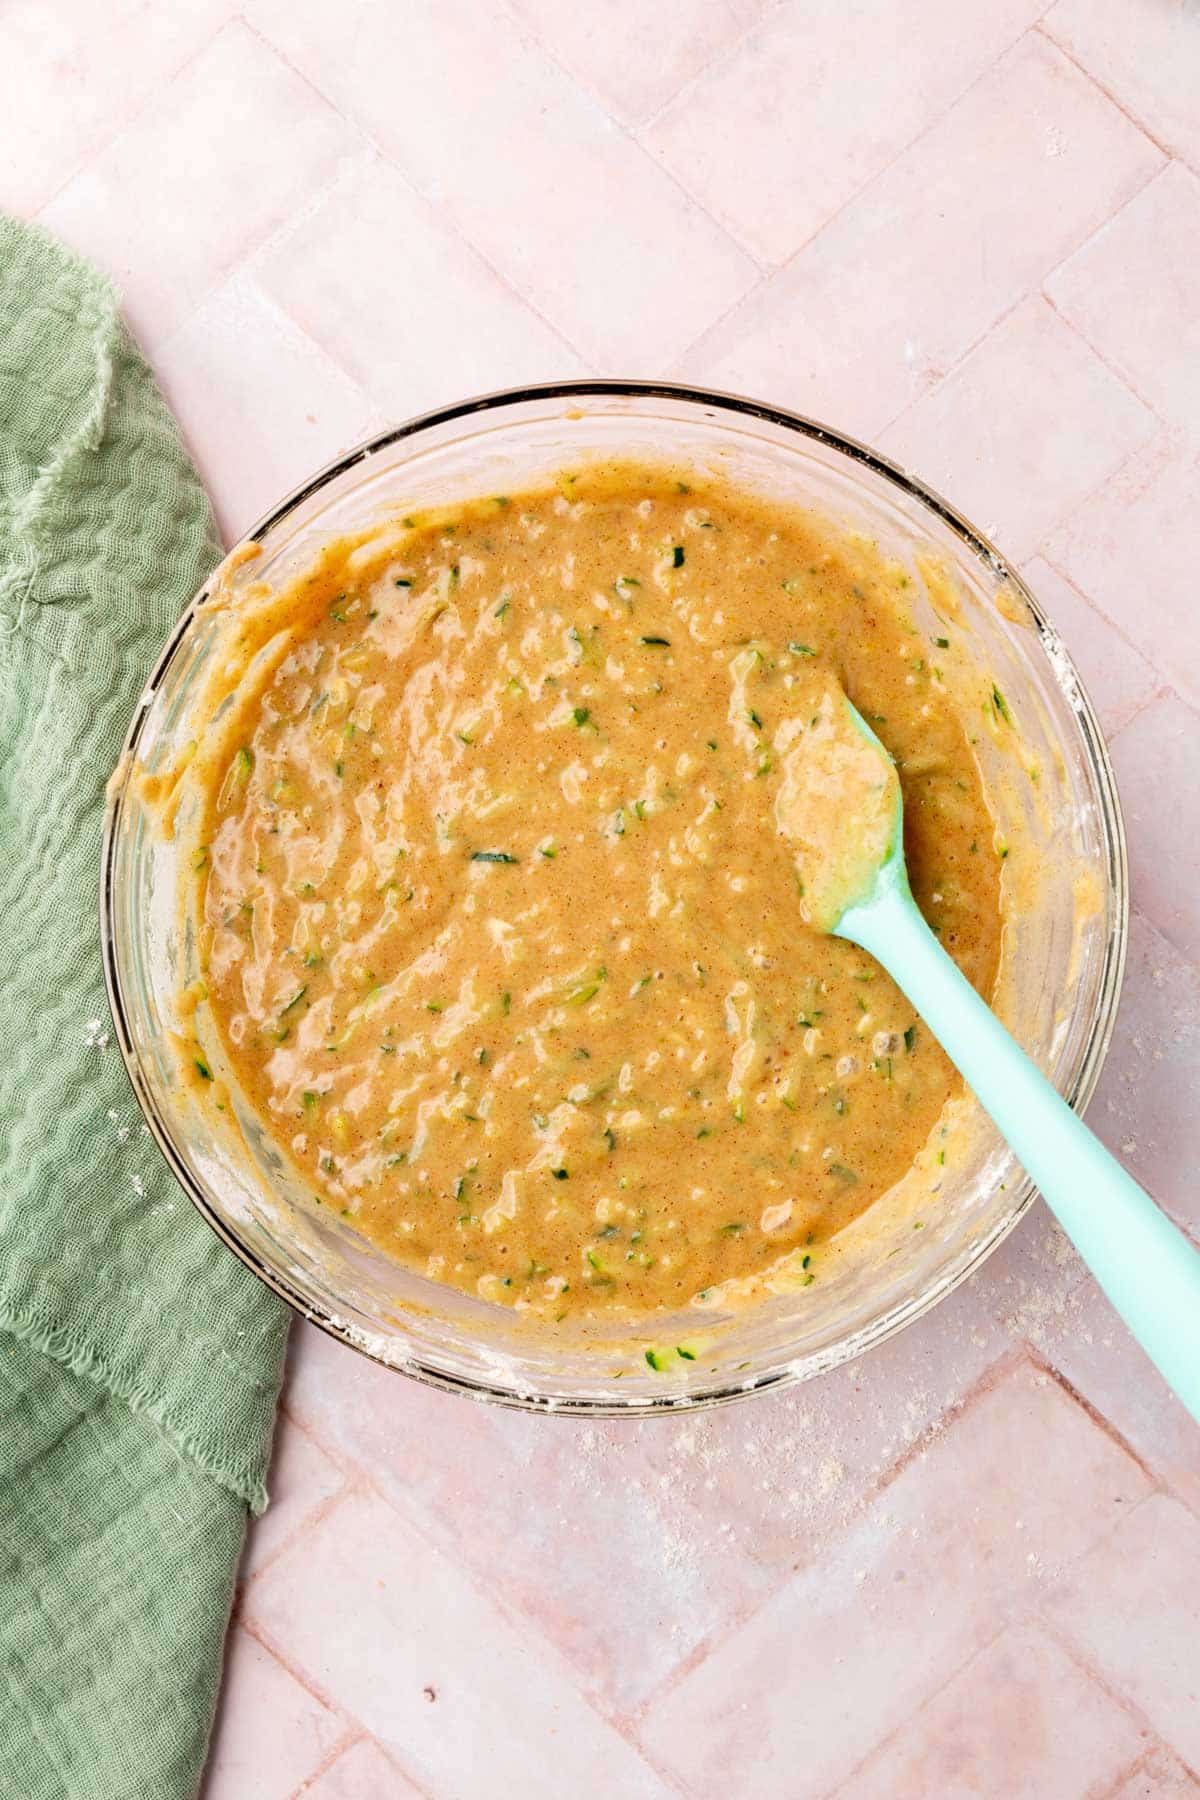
point(1134, 292)
point(271, 1734)
point(1147, 1107)
point(818, 99)
point(362, 1773)
point(261, 405)
point(1133, 1606)
point(1129, 550)
point(71, 73)
point(997, 1729)
point(664, 1532)
point(1159, 1776)
point(302, 1479)
point(432, 324)
point(607, 1507)
point(1023, 430)
point(965, 1537)
point(1150, 61)
point(1118, 680)
point(175, 202)
point(377, 1616)
point(573, 213)
point(633, 57)
point(1157, 759)
point(777, 1482)
point(1093, 1350)
point(891, 293)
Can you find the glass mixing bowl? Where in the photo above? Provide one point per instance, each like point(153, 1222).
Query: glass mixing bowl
point(1064, 958)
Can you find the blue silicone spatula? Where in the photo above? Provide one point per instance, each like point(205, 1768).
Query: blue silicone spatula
point(841, 808)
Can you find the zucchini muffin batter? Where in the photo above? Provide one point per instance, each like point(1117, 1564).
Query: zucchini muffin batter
point(496, 927)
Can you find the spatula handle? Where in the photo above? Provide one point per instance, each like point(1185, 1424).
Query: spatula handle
point(1148, 1269)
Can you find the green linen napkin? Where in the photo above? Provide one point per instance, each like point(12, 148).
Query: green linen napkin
point(139, 1362)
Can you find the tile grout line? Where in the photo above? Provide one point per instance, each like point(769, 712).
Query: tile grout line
point(1086, 599)
point(348, 1466)
point(772, 273)
point(773, 269)
point(767, 9)
point(902, 1726)
point(272, 230)
point(351, 1736)
point(760, 287)
point(343, 1749)
point(446, 222)
point(1037, 290)
point(522, 1626)
point(778, 6)
point(1124, 1776)
point(319, 1513)
point(330, 1706)
point(264, 1637)
point(1093, 1412)
point(520, 1623)
point(453, 229)
point(356, 1731)
point(1189, 962)
point(1007, 1363)
point(957, 363)
point(1102, 356)
point(1060, 1636)
point(141, 106)
point(533, 32)
point(1062, 519)
point(629, 133)
point(1166, 691)
point(1044, 31)
point(245, 270)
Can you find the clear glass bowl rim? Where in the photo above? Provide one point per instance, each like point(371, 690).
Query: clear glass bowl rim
point(1111, 824)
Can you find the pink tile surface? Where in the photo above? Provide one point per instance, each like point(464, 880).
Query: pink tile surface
point(1147, 1106)
point(605, 1505)
point(174, 202)
point(271, 1733)
point(1119, 681)
point(380, 1619)
point(1089, 1346)
point(434, 324)
point(665, 1533)
point(997, 1728)
point(567, 207)
point(303, 1481)
point(634, 57)
point(972, 1530)
point(66, 88)
point(363, 1773)
point(1023, 430)
point(1124, 549)
point(1159, 1776)
point(993, 196)
point(970, 237)
point(1149, 331)
point(1147, 1652)
point(1157, 759)
point(260, 403)
point(777, 136)
point(1153, 69)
